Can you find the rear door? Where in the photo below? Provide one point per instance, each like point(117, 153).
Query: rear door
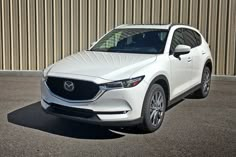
point(198, 58)
point(190, 40)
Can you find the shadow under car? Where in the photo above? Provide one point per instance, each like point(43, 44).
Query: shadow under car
point(32, 116)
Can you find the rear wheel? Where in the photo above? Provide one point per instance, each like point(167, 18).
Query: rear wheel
point(153, 109)
point(205, 84)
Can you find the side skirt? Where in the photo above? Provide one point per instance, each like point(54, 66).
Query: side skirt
point(185, 94)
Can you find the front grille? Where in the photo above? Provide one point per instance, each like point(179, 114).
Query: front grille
point(83, 90)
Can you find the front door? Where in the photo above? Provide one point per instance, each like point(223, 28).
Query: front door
point(181, 67)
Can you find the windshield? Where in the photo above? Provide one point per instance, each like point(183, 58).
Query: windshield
point(147, 41)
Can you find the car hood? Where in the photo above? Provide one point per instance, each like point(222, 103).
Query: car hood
point(104, 65)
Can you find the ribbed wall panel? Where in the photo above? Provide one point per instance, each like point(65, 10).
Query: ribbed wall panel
point(49, 32)
point(1, 42)
point(32, 40)
point(37, 33)
point(119, 12)
point(84, 24)
point(57, 30)
point(128, 11)
point(75, 29)
point(40, 48)
point(66, 28)
point(6, 35)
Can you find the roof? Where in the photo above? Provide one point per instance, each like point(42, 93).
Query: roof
point(148, 26)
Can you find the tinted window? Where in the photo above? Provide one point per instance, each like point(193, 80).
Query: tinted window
point(149, 41)
point(189, 38)
point(177, 39)
point(198, 38)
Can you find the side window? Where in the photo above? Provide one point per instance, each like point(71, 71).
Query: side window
point(198, 38)
point(177, 39)
point(189, 38)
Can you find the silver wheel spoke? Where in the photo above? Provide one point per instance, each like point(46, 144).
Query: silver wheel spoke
point(206, 85)
point(156, 99)
point(152, 114)
point(154, 118)
point(156, 108)
point(160, 99)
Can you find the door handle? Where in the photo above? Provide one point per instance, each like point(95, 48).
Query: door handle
point(189, 59)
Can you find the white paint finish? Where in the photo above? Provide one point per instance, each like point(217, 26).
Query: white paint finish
point(104, 67)
point(181, 74)
point(110, 66)
point(111, 101)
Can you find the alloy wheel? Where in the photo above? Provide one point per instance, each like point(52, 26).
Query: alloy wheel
point(206, 82)
point(156, 108)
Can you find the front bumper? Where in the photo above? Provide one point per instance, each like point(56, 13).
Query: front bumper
point(118, 107)
point(88, 117)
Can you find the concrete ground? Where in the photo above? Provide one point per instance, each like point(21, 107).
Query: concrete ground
point(193, 127)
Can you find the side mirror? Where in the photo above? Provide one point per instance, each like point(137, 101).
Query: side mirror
point(181, 50)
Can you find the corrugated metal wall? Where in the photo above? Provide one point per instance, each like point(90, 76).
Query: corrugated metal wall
point(36, 33)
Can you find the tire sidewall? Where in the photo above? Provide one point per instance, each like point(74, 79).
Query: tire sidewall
point(146, 108)
point(202, 83)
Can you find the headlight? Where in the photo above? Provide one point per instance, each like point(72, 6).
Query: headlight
point(122, 83)
point(44, 75)
point(46, 71)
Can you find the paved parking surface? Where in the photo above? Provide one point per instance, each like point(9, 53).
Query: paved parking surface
point(191, 128)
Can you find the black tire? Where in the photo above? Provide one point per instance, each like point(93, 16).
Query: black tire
point(148, 112)
point(203, 91)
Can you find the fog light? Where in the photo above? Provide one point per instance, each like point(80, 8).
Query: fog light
point(125, 112)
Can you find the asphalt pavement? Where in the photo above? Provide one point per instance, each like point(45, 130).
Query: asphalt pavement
point(193, 127)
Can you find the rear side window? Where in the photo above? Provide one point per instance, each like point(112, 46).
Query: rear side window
point(198, 38)
point(189, 38)
point(177, 39)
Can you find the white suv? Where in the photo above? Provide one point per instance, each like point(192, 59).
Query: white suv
point(129, 76)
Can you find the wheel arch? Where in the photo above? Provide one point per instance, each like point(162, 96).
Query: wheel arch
point(208, 63)
point(163, 81)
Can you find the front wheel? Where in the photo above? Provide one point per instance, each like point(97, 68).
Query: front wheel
point(153, 109)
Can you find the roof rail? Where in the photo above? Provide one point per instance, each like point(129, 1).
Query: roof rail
point(121, 25)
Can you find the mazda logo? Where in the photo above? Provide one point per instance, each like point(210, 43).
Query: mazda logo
point(69, 86)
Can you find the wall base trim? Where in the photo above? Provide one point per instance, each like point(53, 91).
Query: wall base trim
point(30, 73)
